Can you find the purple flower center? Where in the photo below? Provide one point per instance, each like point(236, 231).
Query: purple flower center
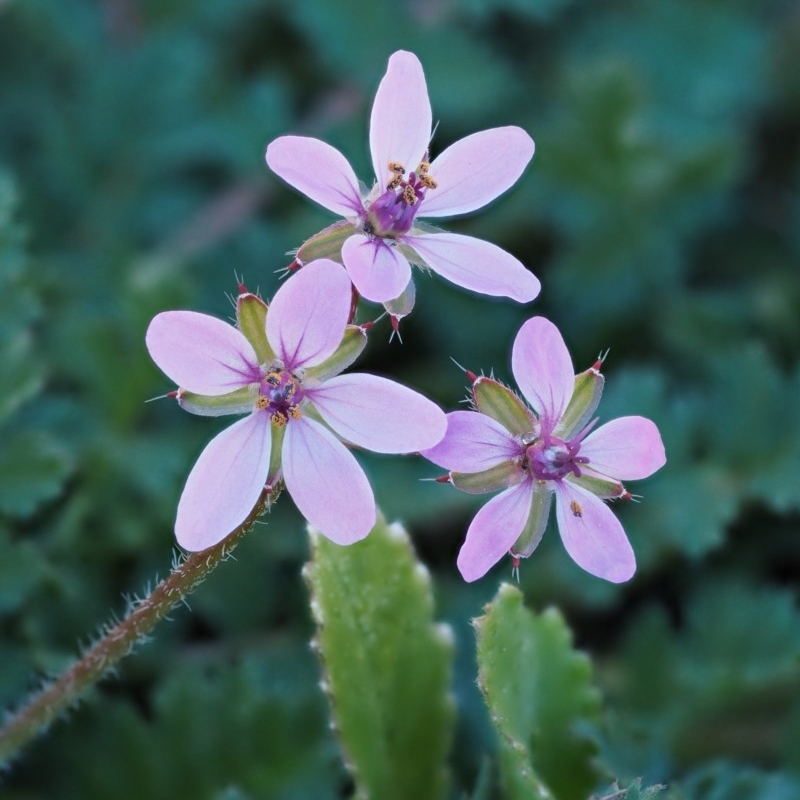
point(392, 213)
point(280, 395)
point(549, 458)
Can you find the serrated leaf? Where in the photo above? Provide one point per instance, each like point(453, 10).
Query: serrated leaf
point(387, 666)
point(538, 691)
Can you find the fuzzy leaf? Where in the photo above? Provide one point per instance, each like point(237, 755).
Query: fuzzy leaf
point(539, 694)
point(387, 666)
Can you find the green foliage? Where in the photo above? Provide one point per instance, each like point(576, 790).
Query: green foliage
point(387, 666)
point(539, 694)
point(661, 214)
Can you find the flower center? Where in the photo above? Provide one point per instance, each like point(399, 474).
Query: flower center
point(280, 395)
point(392, 213)
point(549, 458)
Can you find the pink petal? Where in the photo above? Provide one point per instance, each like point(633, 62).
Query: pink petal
point(225, 483)
point(474, 264)
point(628, 448)
point(317, 170)
point(379, 414)
point(495, 528)
point(308, 315)
point(379, 271)
point(475, 170)
point(473, 443)
point(326, 483)
point(201, 354)
point(543, 370)
point(400, 125)
point(592, 535)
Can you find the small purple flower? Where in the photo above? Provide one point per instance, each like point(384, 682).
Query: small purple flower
point(385, 238)
point(552, 452)
point(281, 368)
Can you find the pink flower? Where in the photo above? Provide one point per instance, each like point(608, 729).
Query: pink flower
point(280, 366)
point(535, 456)
point(385, 238)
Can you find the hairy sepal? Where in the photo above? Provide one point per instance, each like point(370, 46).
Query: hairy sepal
point(239, 401)
point(501, 404)
point(493, 479)
point(251, 319)
point(582, 404)
point(353, 343)
point(327, 243)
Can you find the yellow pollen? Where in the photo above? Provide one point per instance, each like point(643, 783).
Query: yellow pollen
point(428, 181)
point(575, 508)
point(261, 402)
point(397, 168)
point(423, 167)
point(394, 183)
point(294, 412)
point(409, 195)
point(279, 419)
point(273, 379)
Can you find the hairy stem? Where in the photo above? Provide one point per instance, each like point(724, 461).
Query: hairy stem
point(118, 641)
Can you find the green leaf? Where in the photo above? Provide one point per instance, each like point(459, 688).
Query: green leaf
point(540, 697)
point(387, 666)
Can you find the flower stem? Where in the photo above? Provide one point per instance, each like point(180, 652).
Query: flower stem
point(118, 640)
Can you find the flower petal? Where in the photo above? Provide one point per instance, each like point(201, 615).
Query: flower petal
point(307, 317)
point(201, 353)
point(400, 125)
point(326, 483)
point(379, 271)
point(592, 535)
point(494, 530)
point(379, 414)
point(473, 443)
point(542, 368)
point(628, 448)
point(225, 483)
point(475, 170)
point(317, 170)
point(474, 264)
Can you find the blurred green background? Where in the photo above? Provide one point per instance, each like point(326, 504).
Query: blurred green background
point(662, 214)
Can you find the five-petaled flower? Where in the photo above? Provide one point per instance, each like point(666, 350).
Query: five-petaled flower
point(383, 237)
point(280, 366)
point(552, 452)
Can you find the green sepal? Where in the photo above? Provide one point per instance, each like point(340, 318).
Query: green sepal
point(239, 401)
point(327, 243)
point(352, 345)
point(275, 473)
point(501, 404)
point(541, 700)
point(602, 487)
point(402, 306)
point(585, 397)
point(387, 665)
point(500, 476)
point(251, 319)
point(534, 528)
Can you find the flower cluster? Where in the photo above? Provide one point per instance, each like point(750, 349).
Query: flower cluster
point(280, 365)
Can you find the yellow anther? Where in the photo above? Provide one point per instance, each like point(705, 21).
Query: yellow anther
point(423, 167)
point(397, 168)
point(394, 183)
point(428, 181)
point(261, 402)
point(294, 412)
point(409, 195)
point(279, 418)
point(273, 378)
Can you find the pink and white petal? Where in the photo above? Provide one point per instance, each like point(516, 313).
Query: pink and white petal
point(379, 271)
point(326, 483)
point(476, 265)
point(225, 483)
point(317, 170)
point(200, 353)
point(543, 370)
point(592, 535)
point(379, 414)
point(474, 442)
point(494, 530)
point(475, 170)
point(307, 317)
point(400, 124)
point(625, 449)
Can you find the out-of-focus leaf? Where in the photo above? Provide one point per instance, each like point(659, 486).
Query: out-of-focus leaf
point(540, 696)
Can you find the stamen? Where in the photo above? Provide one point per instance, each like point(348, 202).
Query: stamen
point(397, 168)
point(261, 402)
point(409, 195)
point(279, 418)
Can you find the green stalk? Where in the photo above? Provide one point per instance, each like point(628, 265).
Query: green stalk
point(118, 641)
